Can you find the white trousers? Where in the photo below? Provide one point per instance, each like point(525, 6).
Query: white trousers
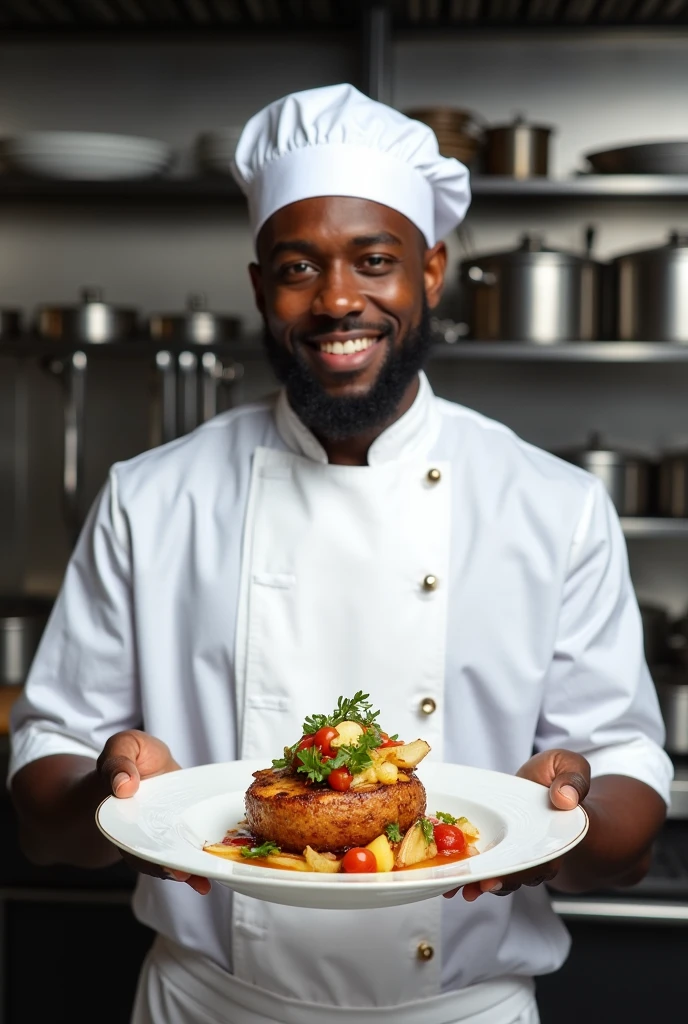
point(180, 987)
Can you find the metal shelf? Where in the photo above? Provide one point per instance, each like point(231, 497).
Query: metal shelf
point(177, 16)
point(210, 189)
point(646, 528)
point(584, 186)
point(570, 352)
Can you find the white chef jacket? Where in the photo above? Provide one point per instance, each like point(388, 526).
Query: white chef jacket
point(231, 582)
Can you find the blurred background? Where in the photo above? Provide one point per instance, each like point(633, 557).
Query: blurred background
point(126, 318)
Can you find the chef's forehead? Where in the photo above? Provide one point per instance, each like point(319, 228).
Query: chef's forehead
point(337, 221)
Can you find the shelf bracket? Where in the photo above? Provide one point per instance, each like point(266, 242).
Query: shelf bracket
point(377, 51)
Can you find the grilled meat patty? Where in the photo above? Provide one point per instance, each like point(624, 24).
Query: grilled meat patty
point(280, 806)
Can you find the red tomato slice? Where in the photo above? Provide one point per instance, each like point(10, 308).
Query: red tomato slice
point(360, 860)
point(323, 738)
point(306, 742)
point(449, 839)
point(340, 779)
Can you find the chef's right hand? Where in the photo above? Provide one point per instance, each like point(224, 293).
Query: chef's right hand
point(128, 757)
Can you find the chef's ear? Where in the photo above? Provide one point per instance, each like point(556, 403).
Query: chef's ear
point(257, 282)
point(434, 269)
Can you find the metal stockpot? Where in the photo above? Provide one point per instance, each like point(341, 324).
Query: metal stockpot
point(672, 691)
point(533, 294)
point(93, 321)
point(22, 621)
point(651, 293)
point(626, 476)
point(519, 149)
point(673, 485)
point(197, 326)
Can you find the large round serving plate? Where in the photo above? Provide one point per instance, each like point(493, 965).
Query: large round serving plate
point(173, 816)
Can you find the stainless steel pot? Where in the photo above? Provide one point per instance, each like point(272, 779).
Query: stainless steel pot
point(519, 149)
point(93, 321)
point(672, 690)
point(22, 621)
point(533, 294)
point(651, 293)
point(197, 326)
point(673, 485)
point(10, 324)
point(627, 476)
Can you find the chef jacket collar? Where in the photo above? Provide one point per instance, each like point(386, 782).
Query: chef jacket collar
point(412, 435)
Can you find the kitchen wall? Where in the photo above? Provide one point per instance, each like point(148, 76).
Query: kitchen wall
point(596, 90)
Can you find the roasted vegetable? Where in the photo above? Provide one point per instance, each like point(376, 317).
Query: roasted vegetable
point(415, 848)
point(325, 863)
point(382, 852)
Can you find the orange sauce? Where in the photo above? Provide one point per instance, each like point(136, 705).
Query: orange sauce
point(434, 862)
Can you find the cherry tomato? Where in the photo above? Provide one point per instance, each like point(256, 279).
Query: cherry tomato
point(323, 738)
point(340, 779)
point(358, 859)
point(387, 742)
point(306, 742)
point(449, 839)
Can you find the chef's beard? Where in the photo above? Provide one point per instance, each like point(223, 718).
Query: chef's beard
point(339, 418)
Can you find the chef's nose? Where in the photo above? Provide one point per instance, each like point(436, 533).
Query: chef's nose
point(337, 295)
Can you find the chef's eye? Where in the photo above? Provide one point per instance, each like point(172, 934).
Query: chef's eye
point(377, 263)
point(297, 271)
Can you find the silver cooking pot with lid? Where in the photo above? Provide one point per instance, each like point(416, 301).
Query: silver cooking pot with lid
point(197, 326)
point(626, 475)
point(534, 294)
point(93, 320)
point(651, 292)
point(22, 621)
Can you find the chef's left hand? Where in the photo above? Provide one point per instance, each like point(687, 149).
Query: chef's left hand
point(567, 775)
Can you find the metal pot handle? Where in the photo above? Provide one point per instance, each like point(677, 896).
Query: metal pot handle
point(476, 275)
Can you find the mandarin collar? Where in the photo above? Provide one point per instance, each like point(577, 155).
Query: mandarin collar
point(412, 435)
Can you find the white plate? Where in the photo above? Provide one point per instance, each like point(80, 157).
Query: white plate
point(173, 816)
point(85, 156)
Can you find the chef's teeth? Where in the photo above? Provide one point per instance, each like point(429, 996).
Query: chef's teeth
point(346, 348)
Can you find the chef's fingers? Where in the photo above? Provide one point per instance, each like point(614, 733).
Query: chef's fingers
point(510, 883)
point(197, 882)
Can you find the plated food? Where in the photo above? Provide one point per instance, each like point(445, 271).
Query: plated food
point(345, 798)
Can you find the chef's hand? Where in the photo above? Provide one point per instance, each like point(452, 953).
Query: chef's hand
point(128, 757)
point(568, 777)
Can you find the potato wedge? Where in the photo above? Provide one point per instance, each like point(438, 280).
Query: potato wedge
point(469, 830)
point(289, 861)
point(386, 772)
point(414, 848)
point(325, 863)
point(383, 853)
point(349, 735)
point(222, 850)
point(406, 756)
point(364, 779)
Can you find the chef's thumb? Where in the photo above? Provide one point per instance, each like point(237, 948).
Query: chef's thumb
point(568, 789)
point(116, 766)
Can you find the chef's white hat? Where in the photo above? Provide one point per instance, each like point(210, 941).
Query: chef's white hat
point(335, 141)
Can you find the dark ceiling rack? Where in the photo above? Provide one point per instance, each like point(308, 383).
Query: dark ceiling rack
point(279, 15)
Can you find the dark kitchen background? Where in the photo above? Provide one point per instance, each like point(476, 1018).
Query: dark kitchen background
point(127, 318)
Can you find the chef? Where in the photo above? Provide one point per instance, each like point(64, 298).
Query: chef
point(353, 533)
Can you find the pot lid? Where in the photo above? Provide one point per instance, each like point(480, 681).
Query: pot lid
point(530, 249)
point(597, 446)
point(89, 296)
point(676, 245)
point(519, 121)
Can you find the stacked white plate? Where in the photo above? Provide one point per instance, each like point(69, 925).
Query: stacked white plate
point(84, 156)
point(215, 150)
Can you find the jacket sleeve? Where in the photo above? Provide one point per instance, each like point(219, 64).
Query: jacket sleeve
point(82, 686)
point(599, 698)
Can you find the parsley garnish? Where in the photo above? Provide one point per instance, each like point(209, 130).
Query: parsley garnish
point(349, 709)
point(287, 760)
point(447, 819)
point(393, 833)
point(314, 764)
point(264, 850)
point(428, 829)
